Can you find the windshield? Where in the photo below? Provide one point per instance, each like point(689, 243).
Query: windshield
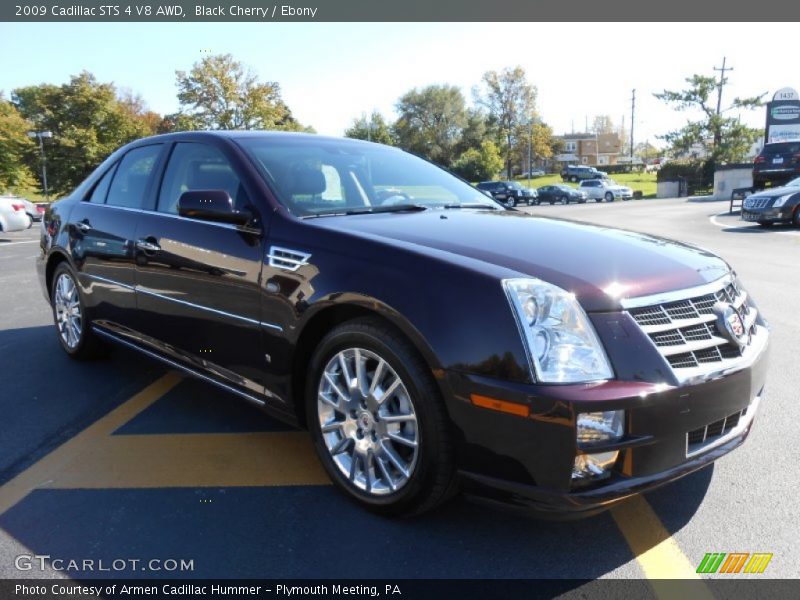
point(317, 177)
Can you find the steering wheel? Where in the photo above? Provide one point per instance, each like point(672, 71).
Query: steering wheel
point(392, 197)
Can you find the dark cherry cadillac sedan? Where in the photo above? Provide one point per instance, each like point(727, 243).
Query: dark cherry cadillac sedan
point(428, 338)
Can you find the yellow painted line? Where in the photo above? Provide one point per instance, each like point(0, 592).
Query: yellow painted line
point(657, 553)
point(195, 460)
point(41, 473)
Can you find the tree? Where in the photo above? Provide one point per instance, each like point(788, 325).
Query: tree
point(431, 122)
point(221, 93)
point(89, 120)
point(15, 147)
point(374, 129)
point(477, 164)
point(723, 137)
point(603, 124)
point(541, 140)
point(511, 103)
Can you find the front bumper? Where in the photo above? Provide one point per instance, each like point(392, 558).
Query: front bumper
point(768, 214)
point(526, 461)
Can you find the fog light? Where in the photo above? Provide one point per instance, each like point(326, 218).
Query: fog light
point(592, 467)
point(598, 427)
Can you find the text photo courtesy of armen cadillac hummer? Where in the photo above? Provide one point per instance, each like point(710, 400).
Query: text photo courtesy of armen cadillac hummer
point(335, 313)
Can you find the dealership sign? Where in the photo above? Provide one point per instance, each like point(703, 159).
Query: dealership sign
point(783, 116)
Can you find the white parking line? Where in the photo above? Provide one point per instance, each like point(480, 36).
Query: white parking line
point(742, 224)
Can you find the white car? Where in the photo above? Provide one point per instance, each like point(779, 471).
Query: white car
point(605, 189)
point(12, 214)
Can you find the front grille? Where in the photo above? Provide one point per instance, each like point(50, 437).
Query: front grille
point(703, 436)
point(685, 330)
point(757, 202)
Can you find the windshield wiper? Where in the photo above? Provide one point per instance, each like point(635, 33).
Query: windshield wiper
point(368, 210)
point(471, 205)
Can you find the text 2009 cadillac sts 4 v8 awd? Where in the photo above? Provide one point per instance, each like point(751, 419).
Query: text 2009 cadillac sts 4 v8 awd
point(428, 338)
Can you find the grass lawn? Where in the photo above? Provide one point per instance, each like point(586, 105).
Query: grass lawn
point(638, 182)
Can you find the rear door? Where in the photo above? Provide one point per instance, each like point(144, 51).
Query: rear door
point(198, 281)
point(101, 231)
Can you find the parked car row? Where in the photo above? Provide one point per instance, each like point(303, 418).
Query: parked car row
point(511, 193)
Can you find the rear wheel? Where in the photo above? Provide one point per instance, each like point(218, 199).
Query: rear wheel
point(69, 313)
point(796, 216)
point(765, 224)
point(377, 419)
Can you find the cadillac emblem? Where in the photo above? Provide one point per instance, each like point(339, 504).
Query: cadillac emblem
point(730, 324)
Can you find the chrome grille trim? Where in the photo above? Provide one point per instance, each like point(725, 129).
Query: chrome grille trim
point(757, 202)
point(284, 258)
point(722, 435)
point(682, 327)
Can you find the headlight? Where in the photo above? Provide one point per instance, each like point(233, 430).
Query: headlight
point(561, 342)
point(782, 200)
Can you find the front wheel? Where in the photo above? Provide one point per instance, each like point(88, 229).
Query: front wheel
point(564, 200)
point(796, 216)
point(69, 314)
point(609, 197)
point(378, 421)
point(511, 202)
point(765, 224)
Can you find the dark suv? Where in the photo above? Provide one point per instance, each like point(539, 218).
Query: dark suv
point(428, 338)
point(776, 164)
point(575, 173)
point(510, 193)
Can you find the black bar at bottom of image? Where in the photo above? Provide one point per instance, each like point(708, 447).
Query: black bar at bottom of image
point(405, 589)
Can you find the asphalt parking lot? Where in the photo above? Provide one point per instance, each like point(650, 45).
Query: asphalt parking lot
point(121, 459)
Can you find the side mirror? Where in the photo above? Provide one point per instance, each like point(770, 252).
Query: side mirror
point(211, 205)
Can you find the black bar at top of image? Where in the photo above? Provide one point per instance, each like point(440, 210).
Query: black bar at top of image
point(715, 12)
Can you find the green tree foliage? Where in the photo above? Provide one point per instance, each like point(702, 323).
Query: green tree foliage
point(511, 103)
point(541, 140)
point(431, 122)
point(89, 120)
point(15, 150)
point(221, 93)
point(724, 137)
point(478, 164)
point(374, 129)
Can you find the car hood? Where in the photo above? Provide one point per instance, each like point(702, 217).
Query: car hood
point(775, 192)
point(600, 265)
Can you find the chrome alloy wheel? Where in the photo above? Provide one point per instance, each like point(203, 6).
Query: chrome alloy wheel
point(368, 422)
point(68, 311)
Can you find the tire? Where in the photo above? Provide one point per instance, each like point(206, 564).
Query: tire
point(530, 202)
point(564, 200)
point(30, 221)
point(76, 337)
point(573, 179)
point(511, 202)
point(609, 197)
point(597, 199)
point(765, 224)
point(399, 479)
point(796, 216)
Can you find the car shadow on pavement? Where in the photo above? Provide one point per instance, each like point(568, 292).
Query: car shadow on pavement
point(298, 531)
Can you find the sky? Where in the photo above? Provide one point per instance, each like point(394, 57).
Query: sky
point(331, 73)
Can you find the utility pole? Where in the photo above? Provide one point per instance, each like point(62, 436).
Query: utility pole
point(720, 85)
point(41, 135)
point(633, 112)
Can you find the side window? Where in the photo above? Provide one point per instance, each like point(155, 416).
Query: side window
point(130, 181)
point(194, 166)
point(100, 191)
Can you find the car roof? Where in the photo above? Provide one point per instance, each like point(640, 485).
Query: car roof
point(253, 134)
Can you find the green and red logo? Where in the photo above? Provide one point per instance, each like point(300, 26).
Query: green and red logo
point(735, 562)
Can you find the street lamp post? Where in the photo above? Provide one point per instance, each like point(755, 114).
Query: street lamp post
point(41, 135)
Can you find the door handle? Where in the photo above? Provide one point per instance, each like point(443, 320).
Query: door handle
point(84, 225)
point(147, 246)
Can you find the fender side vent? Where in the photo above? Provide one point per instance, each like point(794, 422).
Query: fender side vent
point(284, 258)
